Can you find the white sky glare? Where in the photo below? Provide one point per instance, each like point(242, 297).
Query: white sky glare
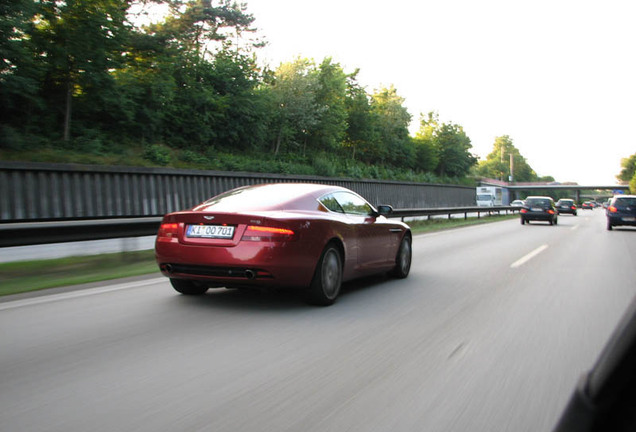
point(557, 76)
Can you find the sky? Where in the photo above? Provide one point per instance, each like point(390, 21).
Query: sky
point(558, 76)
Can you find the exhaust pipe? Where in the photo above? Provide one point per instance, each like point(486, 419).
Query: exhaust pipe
point(167, 268)
point(250, 274)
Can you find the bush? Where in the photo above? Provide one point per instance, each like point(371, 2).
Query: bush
point(190, 156)
point(157, 154)
point(11, 139)
point(89, 145)
point(323, 166)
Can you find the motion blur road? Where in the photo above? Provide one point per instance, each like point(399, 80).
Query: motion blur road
point(490, 332)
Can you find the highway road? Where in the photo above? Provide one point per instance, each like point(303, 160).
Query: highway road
point(490, 332)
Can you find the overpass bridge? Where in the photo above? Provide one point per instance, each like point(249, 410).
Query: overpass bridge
point(514, 189)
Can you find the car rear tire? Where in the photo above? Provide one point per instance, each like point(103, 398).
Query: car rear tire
point(325, 285)
point(403, 259)
point(609, 226)
point(523, 221)
point(188, 287)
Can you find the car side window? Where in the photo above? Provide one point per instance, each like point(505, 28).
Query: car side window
point(353, 204)
point(331, 203)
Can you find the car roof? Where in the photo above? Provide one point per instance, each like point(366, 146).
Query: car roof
point(269, 197)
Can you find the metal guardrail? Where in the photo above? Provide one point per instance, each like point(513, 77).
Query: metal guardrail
point(404, 213)
point(45, 232)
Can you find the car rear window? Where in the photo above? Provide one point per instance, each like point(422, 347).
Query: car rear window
point(624, 202)
point(538, 202)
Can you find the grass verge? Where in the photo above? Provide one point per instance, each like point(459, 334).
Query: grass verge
point(439, 224)
point(25, 276)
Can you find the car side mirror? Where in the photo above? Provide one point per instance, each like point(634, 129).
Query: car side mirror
point(385, 210)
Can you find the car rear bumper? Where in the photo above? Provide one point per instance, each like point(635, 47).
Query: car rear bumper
point(537, 217)
point(257, 264)
point(621, 220)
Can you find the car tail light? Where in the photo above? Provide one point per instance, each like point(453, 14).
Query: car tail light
point(573, 207)
point(551, 211)
point(168, 231)
point(612, 209)
point(524, 211)
point(264, 233)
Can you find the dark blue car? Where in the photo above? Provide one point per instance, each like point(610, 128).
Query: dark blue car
point(539, 208)
point(621, 211)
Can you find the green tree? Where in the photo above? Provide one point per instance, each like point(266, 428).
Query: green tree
point(426, 149)
point(293, 101)
point(186, 82)
point(497, 163)
point(20, 70)
point(361, 133)
point(453, 146)
point(628, 172)
point(392, 122)
point(628, 168)
point(443, 147)
point(330, 95)
point(147, 85)
point(82, 42)
point(202, 27)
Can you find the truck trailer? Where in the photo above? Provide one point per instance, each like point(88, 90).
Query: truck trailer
point(489, 196)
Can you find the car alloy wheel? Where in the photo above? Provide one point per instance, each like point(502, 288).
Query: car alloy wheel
point(403, 259)
point(327, 280)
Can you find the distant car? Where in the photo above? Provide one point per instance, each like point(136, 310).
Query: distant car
point(621, 211)
point(307, 236)
point(539, 208)
point(588, 205)
point(566, 206)
point(517, 203)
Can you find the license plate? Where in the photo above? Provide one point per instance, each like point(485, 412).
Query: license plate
point(629, 219)
point(210, 231)
point(536, 209)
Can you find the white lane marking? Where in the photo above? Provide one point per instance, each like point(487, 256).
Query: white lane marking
point(76, 294)
point(574, 227)
point(521, 261)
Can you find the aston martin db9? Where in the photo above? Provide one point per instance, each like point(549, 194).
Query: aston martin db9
point(307, 236)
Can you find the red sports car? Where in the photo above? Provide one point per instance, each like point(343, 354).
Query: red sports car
point(306, 236)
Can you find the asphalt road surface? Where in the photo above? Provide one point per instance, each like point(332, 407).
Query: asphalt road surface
point(490, 332)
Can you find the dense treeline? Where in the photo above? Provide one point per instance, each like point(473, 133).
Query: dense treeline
point(628, 172)
point(81, 81)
